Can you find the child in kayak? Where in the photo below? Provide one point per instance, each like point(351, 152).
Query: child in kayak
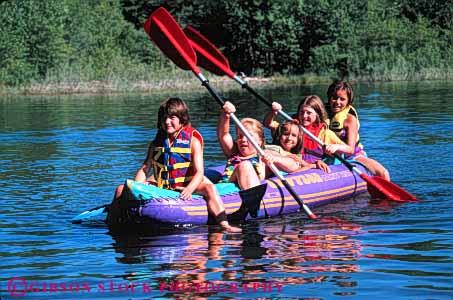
point(244, 166)
point(312, 115)
point(288, 140)
point(176, 158)
point(344, 121)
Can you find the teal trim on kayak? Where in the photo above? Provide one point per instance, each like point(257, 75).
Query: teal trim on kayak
point(143, 191)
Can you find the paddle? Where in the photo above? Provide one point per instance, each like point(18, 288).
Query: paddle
point(214, 61)
point(169, 37)
point(90, 213)
point(211, 59)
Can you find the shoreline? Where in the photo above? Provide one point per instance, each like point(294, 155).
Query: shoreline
point(177, 82)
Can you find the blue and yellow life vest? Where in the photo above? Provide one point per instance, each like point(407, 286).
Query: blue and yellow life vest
point(172, 160)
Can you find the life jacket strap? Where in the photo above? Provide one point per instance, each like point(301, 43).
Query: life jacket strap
point(174, 166)
point(166, 183)
point(172, 150)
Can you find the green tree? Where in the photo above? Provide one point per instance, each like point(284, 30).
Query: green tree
point(264, 35)
point(105, 44)
point(103, 39)
point(439, 13)
point(330, 36)
point(32, 39)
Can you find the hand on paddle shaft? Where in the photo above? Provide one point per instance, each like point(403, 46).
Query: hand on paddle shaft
point(214, 61)
point(171, 40)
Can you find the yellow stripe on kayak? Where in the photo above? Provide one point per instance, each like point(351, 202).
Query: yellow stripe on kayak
point(336, 191)
point(276, 202)
point(233, 205)
point(205, 212)
point(289, 200)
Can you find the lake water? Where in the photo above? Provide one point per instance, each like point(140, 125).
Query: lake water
point(60, 156)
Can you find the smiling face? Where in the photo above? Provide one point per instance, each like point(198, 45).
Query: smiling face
point(172, 116)
point(339, 101)
point(308, 116)
point(171, 125)
point(311, 111)
point(289, 136)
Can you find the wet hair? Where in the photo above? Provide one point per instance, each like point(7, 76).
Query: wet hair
point(316, 104)
point(255, 126)
point(340, 85)
point(173, 107)
point(284, 128)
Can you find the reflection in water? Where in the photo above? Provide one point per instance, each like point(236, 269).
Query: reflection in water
point(209, 264)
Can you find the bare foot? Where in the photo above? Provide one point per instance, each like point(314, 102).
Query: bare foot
point(228, 228)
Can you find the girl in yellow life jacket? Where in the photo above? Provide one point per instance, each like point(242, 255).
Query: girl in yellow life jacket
point(244, 166)
point(175, 157)
point(344, 121)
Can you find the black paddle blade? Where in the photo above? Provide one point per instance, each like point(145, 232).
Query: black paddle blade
point(165, 32)
point(252, 198)
point(209, 57)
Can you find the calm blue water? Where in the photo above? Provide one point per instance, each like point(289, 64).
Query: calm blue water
point(62, 155)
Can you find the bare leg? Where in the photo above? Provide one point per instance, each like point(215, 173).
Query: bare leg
point(215, 204)
point(375, 167)
point(118, 191)
point(245, 175)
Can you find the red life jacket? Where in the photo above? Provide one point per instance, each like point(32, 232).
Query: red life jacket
point(311, 151)
point(173, 163)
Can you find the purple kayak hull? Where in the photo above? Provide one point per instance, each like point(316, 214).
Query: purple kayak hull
point(143, 203)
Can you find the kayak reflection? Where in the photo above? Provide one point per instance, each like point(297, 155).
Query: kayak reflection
point(268, 252)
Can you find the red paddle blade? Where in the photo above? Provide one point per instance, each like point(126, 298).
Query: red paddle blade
point(209, 56)
point(380, 188)
point(166, 33)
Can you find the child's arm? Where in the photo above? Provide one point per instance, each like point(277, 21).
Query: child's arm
point(269, 121)
point(339, 148)
point(335, 144)
point(197, 161)
point(223, 130)
point(144, 170)
point(285, 163)
point(319, 164)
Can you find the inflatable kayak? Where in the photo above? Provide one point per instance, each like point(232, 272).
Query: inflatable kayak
point(143, 203)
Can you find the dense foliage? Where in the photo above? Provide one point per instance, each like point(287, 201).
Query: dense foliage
point(81, 40)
